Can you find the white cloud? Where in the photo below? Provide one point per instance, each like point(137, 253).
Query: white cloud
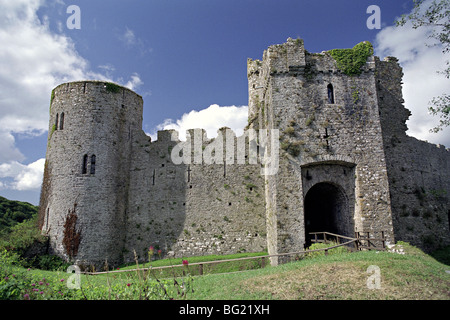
point(211, 119)
point(420, 58)
point(9, 151)
point(134, 82)
point(128, 37)
point(131, 41)
point(25, 177)
point(33, 60)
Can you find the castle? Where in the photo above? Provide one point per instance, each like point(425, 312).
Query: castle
point(336, 133)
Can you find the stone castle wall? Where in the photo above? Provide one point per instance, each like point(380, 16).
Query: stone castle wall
point(193, 208)
point(87, 164)
point(137, 197)
point(343, 164)
point(288, 91)
point(419, 172)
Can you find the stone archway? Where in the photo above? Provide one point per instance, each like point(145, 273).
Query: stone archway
point(326, 209)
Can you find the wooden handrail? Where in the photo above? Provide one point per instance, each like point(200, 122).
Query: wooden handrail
point(333, 234)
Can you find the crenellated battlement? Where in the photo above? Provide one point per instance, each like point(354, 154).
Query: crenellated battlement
point(325, 149)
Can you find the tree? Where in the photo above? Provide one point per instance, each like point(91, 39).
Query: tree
point(435, 15)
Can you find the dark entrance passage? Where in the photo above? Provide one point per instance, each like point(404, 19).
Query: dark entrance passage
point(326, 209)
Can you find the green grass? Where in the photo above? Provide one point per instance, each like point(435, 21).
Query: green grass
point(414, 275)
point(339, 275)
point(194, 269)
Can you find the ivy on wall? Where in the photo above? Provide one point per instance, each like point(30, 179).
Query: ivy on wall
point(350, 61)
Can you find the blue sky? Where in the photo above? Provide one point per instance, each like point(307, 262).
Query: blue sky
point(183, 57)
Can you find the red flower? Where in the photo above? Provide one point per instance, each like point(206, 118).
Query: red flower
point(185, 262)
point(128, 284)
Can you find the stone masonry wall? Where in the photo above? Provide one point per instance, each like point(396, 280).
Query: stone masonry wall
point(88, 156)
point(137, 196)
point(109, 192)
point(293, 99)
point(193, 208)
point(419, 172)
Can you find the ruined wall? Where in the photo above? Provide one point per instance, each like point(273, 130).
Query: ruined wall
point(288, 92)
point(335, 137)
point(419, 172)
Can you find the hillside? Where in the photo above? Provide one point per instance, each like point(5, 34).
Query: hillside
point(14, 212)
point(406, 274)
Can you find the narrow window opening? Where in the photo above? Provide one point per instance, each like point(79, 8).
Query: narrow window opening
point(330, 94)
point(229, 203)
point(61, 121)
point(189, 173)
point(84, 168)
point(448, 216)
point(56, 121)
point(93, 158)
point(46, 219)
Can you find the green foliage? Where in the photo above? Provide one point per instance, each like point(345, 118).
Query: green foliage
point(52, 97)
point(14, 212)
point(350, 61)
point(17, 283)
point(112, 87)
point(434, 17)
point(20, 232)
point(355, 95)
point(293, 148)
point(440, 106)
point(21, 236)
point(45, 262)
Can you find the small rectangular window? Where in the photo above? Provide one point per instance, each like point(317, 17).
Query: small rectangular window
point(330, 94)
point(61, 121)
point(84, 168)
point(93, 164)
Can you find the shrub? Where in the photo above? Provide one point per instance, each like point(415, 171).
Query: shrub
point(22, 236)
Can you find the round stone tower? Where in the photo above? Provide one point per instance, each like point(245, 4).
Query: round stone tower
point(84, 195)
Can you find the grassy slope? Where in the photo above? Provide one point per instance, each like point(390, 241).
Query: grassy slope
point(410, 276)
point(413, 275)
